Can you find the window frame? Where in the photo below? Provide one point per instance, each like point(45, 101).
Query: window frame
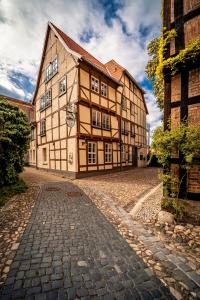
point(132, 105)
point(124, 127)
point(54, 70)
point(93, 78)
point(43, 160)
point(124, 100)
point(59, 84)
point(43, 127)
point(130, 154)
point(97, 113)
point(123, 153)
point(93, 159)
point(106, 123)
point(132, 130)
point(43, 99)
point(108, 153)
point(104, 89)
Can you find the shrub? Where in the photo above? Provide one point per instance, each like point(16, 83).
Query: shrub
point(14, 138)
point(6, 192)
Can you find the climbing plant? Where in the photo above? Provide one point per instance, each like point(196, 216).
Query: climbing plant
point(158, 65)
point(185, 139)
point(14, 138)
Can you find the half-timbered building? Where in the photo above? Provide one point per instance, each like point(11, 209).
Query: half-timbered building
point(89, 116)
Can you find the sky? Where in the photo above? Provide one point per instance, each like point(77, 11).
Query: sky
point(115, 29)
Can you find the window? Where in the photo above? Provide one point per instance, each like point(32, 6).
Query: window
point(108, 153)
point(130, 85)
point(105, 121)
point(45, 100)
point(124, 103)
point(124, 127)
point(104, 89)
point(62, 86)
point(32, 134)
point(132, 130)
point(132, 109)
point(96, 118)
point(44, 155)
point(95, 84)
point(51, 69)
point(33, 155)
point(91, 153)
point(130, 153)
point(43, 127)
point(123, 153)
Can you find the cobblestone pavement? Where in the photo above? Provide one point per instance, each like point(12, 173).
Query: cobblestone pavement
point(69, 250)
point(124, 187)
point(14, 216)
point(175, 267)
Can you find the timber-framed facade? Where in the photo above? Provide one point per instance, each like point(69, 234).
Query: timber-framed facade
point(89, 117)
point(182, 91)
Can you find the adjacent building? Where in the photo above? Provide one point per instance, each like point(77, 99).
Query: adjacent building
point(90, 117)
point(182, 91)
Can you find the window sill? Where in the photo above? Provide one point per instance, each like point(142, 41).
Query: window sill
point(42, 109)
point(45, 163)
point(43, 134)
point(97, 127)
point(107, 129)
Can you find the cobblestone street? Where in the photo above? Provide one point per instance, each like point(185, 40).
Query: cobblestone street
point(69, 250)
point(124, 187)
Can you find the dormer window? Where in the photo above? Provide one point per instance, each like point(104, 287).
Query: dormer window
point(95, 84)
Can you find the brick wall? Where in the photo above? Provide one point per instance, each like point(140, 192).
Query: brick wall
point(194, 179)
point(190, 5)
point(175, 117)
point(192, 30)
point(194, 114)
point(176, 88)
point(194, 83)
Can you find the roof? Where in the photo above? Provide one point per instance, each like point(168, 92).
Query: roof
point(17, 101)
point(111, 69)
point(115, 69)
point(78, 49)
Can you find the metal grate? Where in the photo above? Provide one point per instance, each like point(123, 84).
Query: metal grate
point(74, 194)
point(52, 189)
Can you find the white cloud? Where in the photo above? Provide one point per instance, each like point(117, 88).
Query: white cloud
point(23, 25)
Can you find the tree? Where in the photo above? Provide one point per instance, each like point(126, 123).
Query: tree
point(14, 140)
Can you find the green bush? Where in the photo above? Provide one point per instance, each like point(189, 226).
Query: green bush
point(14, 139)
point(175, 207)
point(6, 192)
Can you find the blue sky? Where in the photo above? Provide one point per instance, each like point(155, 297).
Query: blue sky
point(118, 29)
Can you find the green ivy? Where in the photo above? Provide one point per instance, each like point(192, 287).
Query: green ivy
point(14, 140)
point(185, 139)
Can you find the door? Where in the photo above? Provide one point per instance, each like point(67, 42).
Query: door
point(134, 155)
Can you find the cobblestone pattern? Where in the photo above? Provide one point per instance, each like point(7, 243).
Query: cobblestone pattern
point(168, 265)
point(124, 187)
point(69, 250)
point(14, 217)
